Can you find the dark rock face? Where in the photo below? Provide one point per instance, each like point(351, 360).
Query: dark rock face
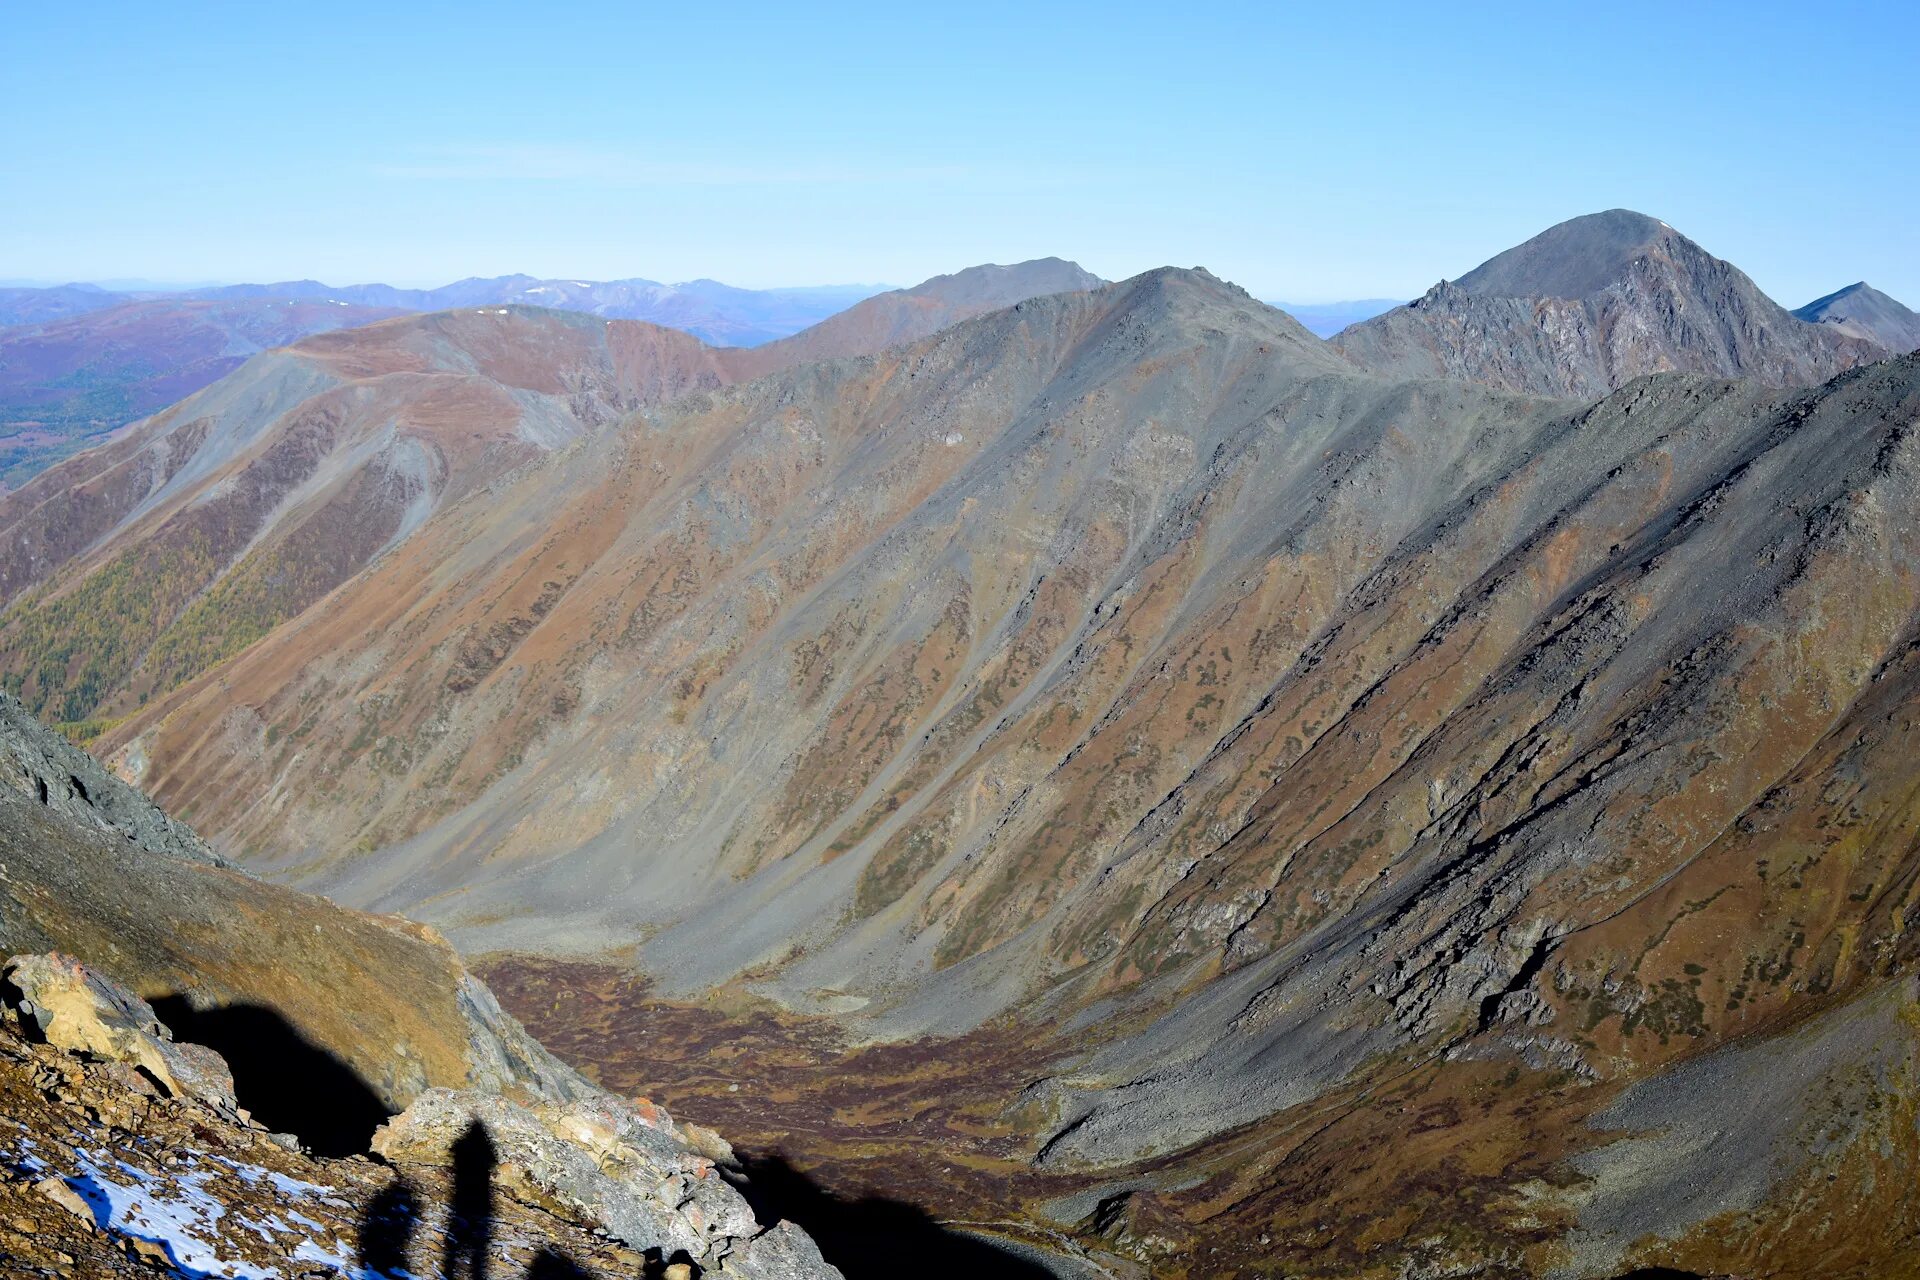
point(53, 773)
point(1593, 303)
point(1862, 311)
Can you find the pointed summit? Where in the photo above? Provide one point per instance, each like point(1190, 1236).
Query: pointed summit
point(1862, 311)
point(1591, 304)
point(1574, 259)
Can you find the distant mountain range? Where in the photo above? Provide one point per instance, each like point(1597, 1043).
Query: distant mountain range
point(716, 313)
point(1324, 319)
point(79, 362)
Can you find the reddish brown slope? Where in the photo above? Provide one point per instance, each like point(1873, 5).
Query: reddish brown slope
point(148, 560)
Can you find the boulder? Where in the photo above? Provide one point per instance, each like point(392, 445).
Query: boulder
point(71, 1007)
point(783, 1252)
point(628, 1170)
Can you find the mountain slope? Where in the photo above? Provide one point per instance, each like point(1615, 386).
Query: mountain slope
point(1590, 304)
point(161, 554)
point(907, 315)
point(1862, 311)
point(141, 563)
point(199, 1009)
point(67, 383)
point(1223, 753)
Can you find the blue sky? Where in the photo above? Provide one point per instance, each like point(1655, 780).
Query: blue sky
point(1337, 150)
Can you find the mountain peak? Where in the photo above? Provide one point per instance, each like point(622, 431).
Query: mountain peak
point(993, 285)
point(1594, 302)
point(1573, 259)
point(1862, 311)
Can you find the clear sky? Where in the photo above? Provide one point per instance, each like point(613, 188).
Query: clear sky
point(1310, 152)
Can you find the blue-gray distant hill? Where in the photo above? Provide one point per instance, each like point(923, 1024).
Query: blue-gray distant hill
point(1862, 311)
point(718, 314)
point(1324, 319)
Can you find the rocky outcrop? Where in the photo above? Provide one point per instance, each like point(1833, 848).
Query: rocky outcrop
point(59, 1001)
point(106, 1171)
point(624, 1167)
point(50, 771)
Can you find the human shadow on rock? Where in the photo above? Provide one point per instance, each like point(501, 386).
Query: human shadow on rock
point(388, 1225)
point(287, 1082)
point(386, 1229)
point(867, 1238)
point(470, 1218)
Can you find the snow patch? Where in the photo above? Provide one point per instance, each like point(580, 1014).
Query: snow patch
point(181, 1218)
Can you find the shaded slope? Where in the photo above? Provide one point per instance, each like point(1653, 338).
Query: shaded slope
point(1590, 304)
point(1862, 311)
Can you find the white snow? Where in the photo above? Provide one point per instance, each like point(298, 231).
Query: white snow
point(183, 1218)
point(177, 1212)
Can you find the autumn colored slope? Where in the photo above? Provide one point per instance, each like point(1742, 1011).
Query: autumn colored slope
point(142, 563)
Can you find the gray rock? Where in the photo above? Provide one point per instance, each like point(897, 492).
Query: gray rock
point(783, 1252)
point(52, 771)
point(625, 1167)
